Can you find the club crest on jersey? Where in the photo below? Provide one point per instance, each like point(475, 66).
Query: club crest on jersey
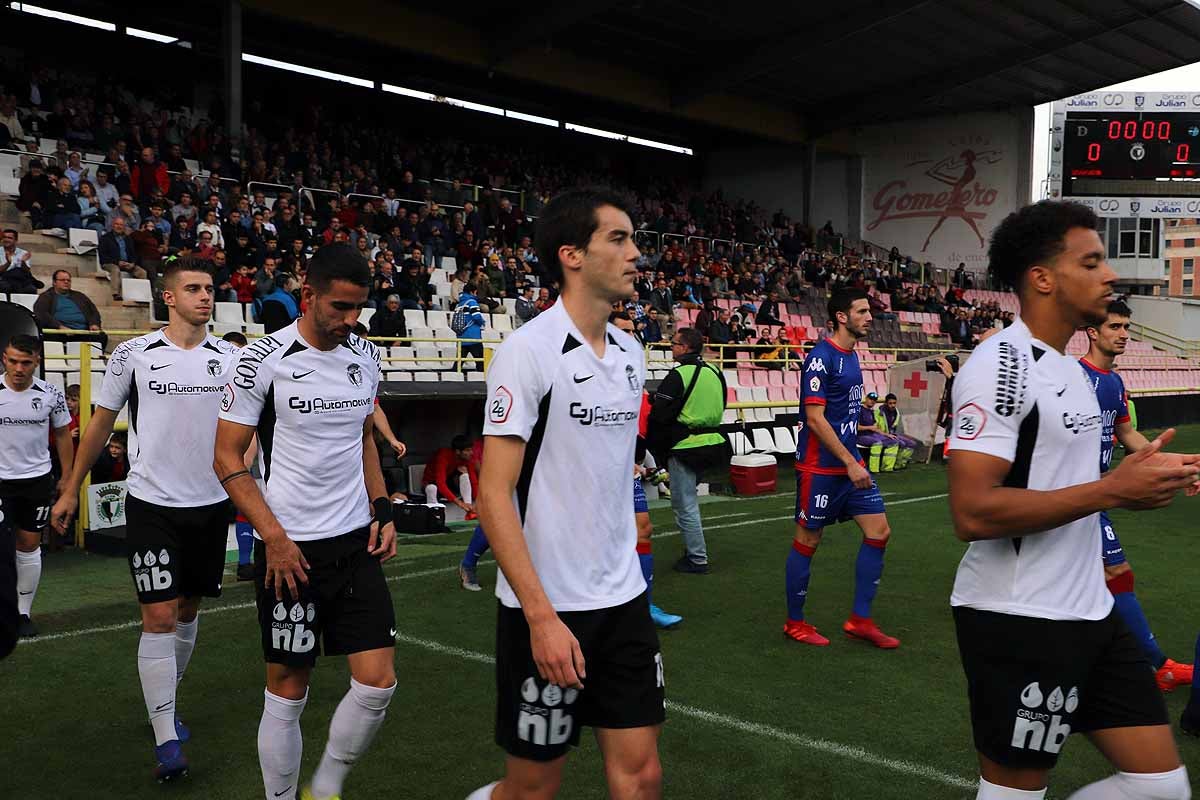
point(631, 376)
point(214, 367)
point(354, 375)
point(814, 384)
point(36, 403)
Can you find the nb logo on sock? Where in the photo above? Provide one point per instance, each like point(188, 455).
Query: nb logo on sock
point(1035, 729)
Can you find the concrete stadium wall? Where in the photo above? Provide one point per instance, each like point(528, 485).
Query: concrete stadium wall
point(1176, 316)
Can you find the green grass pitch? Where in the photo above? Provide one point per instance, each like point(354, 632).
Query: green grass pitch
point(751, 715)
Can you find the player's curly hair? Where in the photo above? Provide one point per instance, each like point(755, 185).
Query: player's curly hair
point(1034, 235)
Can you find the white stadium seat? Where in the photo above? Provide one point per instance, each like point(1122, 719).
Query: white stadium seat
point(229, 313)
point(414, 318)
point(763, 441)
point(26, 300)
point(785, 441)
point(437, 319)
point(365, 315)
point(137, 290)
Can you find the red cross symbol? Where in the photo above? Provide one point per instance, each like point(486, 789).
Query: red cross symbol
point(916, 384)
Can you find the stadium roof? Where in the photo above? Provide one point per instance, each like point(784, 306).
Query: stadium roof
point(782, 71)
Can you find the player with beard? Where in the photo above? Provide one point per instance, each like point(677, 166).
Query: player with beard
point(309, 391)
point(1044, 651)
point(1105, 343)
point(832, 482)
point(176, 511)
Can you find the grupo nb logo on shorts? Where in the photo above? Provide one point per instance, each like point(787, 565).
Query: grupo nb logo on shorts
point(545, 717)
point(1038, 725)
point(288, 631)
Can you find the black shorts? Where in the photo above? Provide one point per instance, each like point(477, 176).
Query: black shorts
point(346, 603)
point(175, 552)
point(26, 502)
point(540, 721)
point(1032, 682)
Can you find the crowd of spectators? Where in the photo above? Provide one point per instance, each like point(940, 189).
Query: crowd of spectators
point(350, 178)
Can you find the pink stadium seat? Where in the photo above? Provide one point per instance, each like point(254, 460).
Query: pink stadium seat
point(775, 393)
point(791, 379)
point(760, 377)
point(791, 393)
point(775, 378)
point(745, 376)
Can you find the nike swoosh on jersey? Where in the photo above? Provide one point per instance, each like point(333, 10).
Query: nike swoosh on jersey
point(298, 375)
point(156, 367)
point(584, 378)
point(1059, 393)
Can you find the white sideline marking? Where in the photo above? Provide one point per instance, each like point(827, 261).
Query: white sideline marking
point(52, 637)
point(725, 721)
point(758, 520)
point(851, 752)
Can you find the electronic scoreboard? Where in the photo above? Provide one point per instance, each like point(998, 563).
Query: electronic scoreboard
point(1128, 154)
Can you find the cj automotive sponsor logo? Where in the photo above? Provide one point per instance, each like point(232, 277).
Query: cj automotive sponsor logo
point(171, 387)
point(600, 415)
point(321, 405)
point(1078, 423)
point(19, 421)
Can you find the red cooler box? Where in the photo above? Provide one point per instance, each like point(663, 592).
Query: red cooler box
point(753, 474)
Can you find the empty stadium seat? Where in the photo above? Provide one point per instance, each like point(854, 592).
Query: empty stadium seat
point(228, 313)
point(763, 442)
point(414, 318)
point(138, 290)
point(365, 315)
point(26, 300)
point(785, 440)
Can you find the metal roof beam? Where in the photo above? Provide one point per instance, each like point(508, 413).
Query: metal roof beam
point(538, 27)
point(930, 86)
point(774, 53)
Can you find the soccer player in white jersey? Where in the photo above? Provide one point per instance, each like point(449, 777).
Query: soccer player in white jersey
point(309, 391)
point(29, 408)
point(575, 644)
point(1044, 652)
point(176, 511)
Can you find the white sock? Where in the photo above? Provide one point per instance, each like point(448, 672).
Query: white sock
point(351, 730)
point(990, 791)
point(465, 491)
point(156, 667)
point(29, 574)
point(483, 792)
point(431, 494)
point(1171, 785)
point(280, 745)
point(185, 643)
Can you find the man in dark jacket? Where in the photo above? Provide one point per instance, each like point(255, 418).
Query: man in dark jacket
point(62, 307)
point(768, 312)
point(119, 256)
point(389, 321)
point(33, 192)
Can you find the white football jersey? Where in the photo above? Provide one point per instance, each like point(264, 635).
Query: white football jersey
point(578, 415)
point(26, 419)
point(309, 407)
point(174, 396)
point(1021, 400)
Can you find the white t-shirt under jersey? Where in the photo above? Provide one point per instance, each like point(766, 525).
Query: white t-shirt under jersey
point(25, 420)
point(309, 407)
point(1019, 399)
point(578, 415)
point(173, 395)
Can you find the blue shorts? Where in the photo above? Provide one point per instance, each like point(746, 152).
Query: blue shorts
point(827, 499)
point(640, 505)
point(1110, 545)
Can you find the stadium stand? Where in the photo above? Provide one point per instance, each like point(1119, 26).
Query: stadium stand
point(432, 214)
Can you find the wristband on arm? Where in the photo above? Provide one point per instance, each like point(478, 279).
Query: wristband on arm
point(383, 510)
